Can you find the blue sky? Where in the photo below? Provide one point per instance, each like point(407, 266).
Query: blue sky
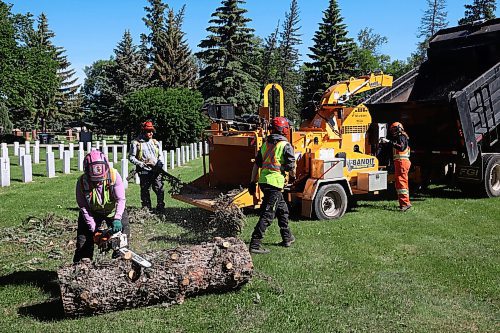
point(90, 29)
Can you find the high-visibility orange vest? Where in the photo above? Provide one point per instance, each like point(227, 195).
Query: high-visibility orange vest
point(401, 155)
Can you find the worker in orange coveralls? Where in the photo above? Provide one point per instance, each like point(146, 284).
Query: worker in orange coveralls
point(401, 155)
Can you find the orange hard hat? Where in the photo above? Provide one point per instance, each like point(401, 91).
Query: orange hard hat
point(148, 126)
point(396, 127)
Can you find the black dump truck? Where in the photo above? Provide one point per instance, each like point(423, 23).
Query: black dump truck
point(450, 108)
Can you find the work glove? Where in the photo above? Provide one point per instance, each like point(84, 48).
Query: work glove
point(384, 140)
point(117, 226)
point(252, 188)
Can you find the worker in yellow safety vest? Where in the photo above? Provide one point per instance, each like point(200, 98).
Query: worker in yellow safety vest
point(100, 195)
point(275, 157)
point(145, 155)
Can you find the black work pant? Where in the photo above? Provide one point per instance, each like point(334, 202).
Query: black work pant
point(85, 238)
point(273, 205)
point(154, 180)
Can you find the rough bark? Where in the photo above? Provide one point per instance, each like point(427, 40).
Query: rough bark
point(94, 288)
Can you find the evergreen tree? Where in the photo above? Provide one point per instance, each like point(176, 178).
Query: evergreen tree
point(290, 75)
point(433, 20)
point(178, 69)
point(68, 99)
point(99, 94)
point(269, 59)
point(132, 68)
point(132, 74)
point(228, 74)
point(155, 41)
point(479, 10)
point(331, 55)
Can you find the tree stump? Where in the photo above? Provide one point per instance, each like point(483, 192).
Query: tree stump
point(93, 288)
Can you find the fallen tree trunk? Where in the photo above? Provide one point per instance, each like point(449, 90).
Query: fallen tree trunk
point(92, 288)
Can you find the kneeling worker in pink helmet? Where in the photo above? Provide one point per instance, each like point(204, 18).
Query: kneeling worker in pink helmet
point(100, 195)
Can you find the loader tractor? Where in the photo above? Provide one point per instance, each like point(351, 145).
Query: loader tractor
point(335, 161)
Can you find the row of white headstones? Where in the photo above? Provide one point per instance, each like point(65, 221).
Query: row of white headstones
point(170, 159)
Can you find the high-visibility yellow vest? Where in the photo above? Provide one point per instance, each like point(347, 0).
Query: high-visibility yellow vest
point(139, 149)
point(272, 158)
point(401, 155)
point(108, 205)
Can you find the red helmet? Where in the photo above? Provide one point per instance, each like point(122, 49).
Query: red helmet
point(95, 166)
point(396, 127)
point(281, 125)
point(148, 126)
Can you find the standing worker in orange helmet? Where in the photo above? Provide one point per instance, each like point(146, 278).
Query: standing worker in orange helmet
point(399, 141)
point(145, 155)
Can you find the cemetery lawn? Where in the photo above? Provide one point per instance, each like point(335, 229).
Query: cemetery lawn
point(435, 268)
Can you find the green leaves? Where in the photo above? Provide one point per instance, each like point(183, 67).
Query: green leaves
point(175, 112)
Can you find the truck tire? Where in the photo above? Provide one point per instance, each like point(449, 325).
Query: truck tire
point(492, 176)
point(330, 202)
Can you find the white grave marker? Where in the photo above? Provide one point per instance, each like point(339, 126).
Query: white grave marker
point(200, 148)
point(89, 147)
point(67, 162)
point(16, 148)
point(124, 165)
point(50, 166)
point(187, 154)
point(98, 145)
point(195, 147)
point(4, 172)
point(115, 154)
point(179, 157)
point(48, 149)
point(61, 151)
point(27, 169)
point(124, 152)
point(36, 152)
point(172, 159)
point(165, 160)
point(21, 153)
point(5, 150)
point(80, 146)
point(27, 149)
point(71, 150)
point(81, 156)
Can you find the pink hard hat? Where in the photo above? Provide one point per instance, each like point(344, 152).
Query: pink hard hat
point(96, 166)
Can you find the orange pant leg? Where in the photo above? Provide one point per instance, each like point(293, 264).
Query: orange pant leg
point(402, 167)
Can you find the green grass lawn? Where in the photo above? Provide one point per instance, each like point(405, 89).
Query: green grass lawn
point(435, 268)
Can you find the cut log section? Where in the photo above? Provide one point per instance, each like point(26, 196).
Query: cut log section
point(93, 288)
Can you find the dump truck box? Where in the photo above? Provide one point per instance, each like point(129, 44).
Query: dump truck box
point(450, 105)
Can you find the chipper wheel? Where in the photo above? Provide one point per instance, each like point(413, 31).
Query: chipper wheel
point(330, 202)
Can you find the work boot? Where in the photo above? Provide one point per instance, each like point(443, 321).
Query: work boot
point(115, 254)
point(288, 242)
point(404, 208)
point(256, 247)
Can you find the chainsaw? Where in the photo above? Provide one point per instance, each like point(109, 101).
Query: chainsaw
point(118, 242)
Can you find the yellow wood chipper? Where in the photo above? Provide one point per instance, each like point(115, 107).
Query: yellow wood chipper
point(335, 158)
